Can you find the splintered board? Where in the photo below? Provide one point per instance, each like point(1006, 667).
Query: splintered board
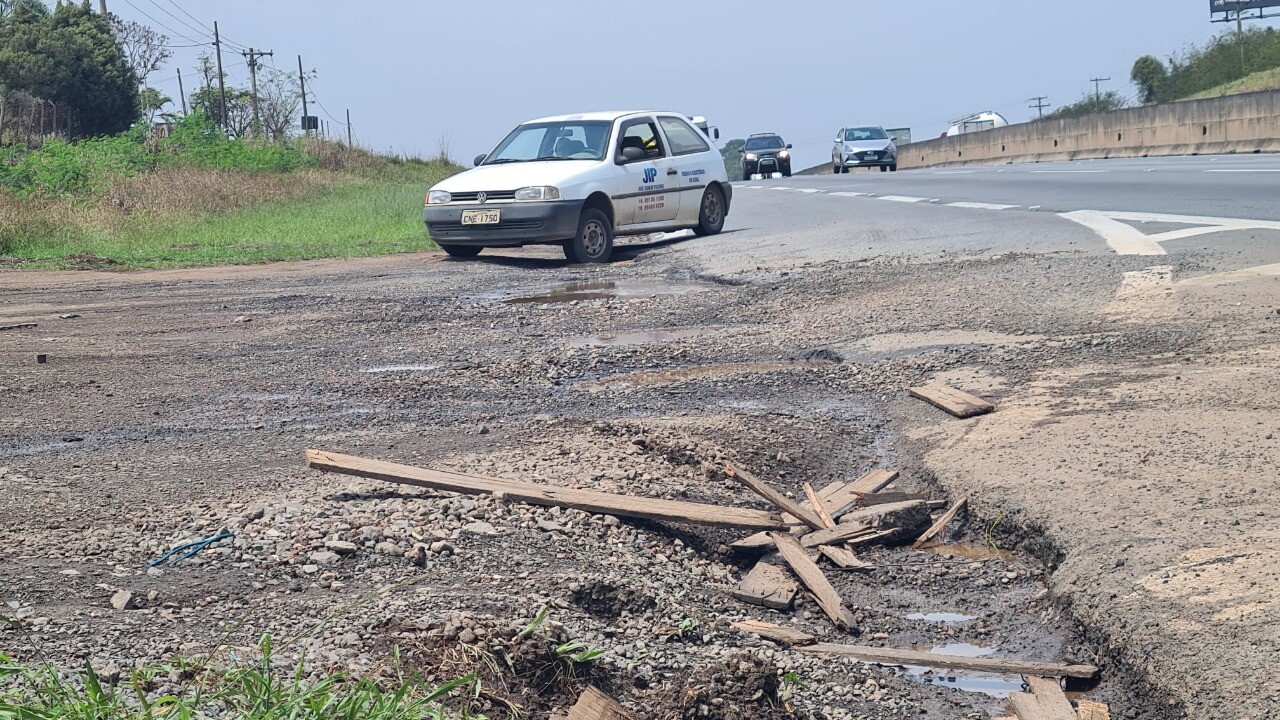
point(768, 585)
point(957, 402)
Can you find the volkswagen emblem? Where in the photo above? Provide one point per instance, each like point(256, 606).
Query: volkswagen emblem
point(482, 197)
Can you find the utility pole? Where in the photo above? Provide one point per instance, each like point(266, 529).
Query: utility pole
point(253, 57)
point(302, 78)
point(1097, 86)
point(1040, 104)
point(182, 93)
point(348, 128)
point(102, 6)
point(222, 85)
point(1240, 35)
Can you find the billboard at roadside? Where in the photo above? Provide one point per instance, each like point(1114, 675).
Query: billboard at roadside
point(1230, 6)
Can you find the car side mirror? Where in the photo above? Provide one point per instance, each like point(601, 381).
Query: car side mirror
point(742, 151)
point(480, 158)
point(715, 133)
point(631, 154)
point(893, 138)
point(788, 146)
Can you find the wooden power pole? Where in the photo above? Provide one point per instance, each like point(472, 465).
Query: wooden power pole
point(253, 57)
point(222, 85)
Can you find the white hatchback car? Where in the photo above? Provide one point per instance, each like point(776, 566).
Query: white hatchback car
point(579, 180)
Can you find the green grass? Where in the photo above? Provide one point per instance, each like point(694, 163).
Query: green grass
point(246, 692)
point(1265, 80)
point(345, 221)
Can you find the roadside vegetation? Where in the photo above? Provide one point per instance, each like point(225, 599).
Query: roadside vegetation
point(1089, 104)
point(247, 691)
point(1211, 70)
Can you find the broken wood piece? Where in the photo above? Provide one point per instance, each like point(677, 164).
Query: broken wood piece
point(814, 579)
point(768, 585)
point(836, 535)
point(1026, 707)
point(595, 705)
point(884, 498)
point(1053, 702)
point(896, 656)
point(18, 326)
point(819, 508)
point(874, 537)
point(764, 490)
point(844, 558)
point(836, 497)
point(591, 501)
point(777, 633)
point(874, 481)
point(957, 402)
point(1091, 710)
point(938, 526)
point(906, 520)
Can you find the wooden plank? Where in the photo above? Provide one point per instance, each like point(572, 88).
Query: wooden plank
point(813, 578)
point(836, 535)
point(1025, 706)
point(778, 633)
point(818, 507)
point(18, 326)
point(957, 402)
point(1052, 700)
point(768, 585)
point(1091, 710)
point(761, 488)
point(836, 497)
point(938, 526)
point(595, 705)
point(874, 481)
point(868, 539)
point(844, 558)
point(883, 498)
point(535, 494)
point(896, 656)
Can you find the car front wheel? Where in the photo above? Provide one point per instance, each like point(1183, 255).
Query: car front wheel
point(594, 241)
point(711, 214)
point(461, 251)
point(893, 167)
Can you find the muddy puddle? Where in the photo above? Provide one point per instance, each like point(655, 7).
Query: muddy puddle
point(611, 290)
point(640, 337)
point(992, 684)
point(701, 372)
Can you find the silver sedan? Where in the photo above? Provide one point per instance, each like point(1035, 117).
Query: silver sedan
point(864, 147)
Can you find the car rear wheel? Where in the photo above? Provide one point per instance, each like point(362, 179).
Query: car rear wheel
point(594, 241)
point(711, 214)
point(893, 167)
point(844, 170)
point(461, 251)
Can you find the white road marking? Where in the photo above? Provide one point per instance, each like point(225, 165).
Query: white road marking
point(1128, 240)
point(850, 194)
point(810, 190)
point(903, 198)
point(982, 206)
point(1251, 170)
point(779, 187)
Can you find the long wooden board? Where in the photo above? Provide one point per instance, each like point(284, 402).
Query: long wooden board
point(535, 494)
point(884, 498)
point(938, 526)
point(595, 705)
point(957, 402)
point(768, 585)
point(813, 578)
point(844, 558)
point(835, 535)
point(874, 481)
point(1052, 700)
point(764, 490)
point(837, 497)
point(895, 656)
point(1025, 706)
point(777, 633)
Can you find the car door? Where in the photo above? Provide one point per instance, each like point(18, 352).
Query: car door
point(645, 189)
point(696, 160)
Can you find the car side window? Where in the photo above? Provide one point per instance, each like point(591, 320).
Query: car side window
point(642, 134)
point(684, 139)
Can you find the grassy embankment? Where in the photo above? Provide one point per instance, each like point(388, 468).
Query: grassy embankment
point(1264, 80)
point(196, 198)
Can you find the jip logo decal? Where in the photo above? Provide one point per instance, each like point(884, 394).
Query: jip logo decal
point(650, 174)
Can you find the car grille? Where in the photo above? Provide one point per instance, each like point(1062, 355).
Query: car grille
point(490, 196)
point(448, 227)
point(874, 155)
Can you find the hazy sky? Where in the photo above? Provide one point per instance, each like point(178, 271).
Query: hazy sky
point(412, 72)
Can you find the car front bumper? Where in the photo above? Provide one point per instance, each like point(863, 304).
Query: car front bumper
point(865, 160)
point(766, 166)
point(521, 223)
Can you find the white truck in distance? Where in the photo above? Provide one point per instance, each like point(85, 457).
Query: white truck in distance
point(579, 181)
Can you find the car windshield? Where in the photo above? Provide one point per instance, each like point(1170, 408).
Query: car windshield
point(561, 140)
point(864, 133)
point(771, 142)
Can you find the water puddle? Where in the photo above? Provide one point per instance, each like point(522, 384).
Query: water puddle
point(640, 337)
point(700, 372)
point(612, 289)
point(400, 368)
point(992, 684)
point(941, 617)
point(969, 552)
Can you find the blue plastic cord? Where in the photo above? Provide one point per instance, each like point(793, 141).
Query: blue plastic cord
point(192, 548)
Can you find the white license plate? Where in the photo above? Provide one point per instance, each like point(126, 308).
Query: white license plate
point(481, 217)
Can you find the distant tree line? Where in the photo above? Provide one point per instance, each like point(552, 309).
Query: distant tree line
point(1089, 104)
point(1204, 68)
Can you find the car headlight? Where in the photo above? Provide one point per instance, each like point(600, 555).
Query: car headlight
point(848, 148)
point(539, 192)
point(751, 156)
point(439, 197)
point(784, 154)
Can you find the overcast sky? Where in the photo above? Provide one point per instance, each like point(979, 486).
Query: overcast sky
point(414, 71)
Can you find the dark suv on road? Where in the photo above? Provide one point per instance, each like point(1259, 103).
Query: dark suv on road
point(766, 154)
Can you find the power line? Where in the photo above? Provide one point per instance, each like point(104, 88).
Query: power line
point(200, 31)
point(166, 27)
point(1040, 103)
point(201, 23)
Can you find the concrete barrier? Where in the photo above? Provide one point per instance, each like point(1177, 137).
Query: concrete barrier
point(1245, 123)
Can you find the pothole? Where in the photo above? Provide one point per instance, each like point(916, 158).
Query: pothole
point(612, 289)
point(607, 600)
point(995, 685)
point(969, 552)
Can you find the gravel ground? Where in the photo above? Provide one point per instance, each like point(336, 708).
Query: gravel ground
point(176, 404)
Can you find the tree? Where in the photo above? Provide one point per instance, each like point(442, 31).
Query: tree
point(143, 48)
point(1090, 104)
point(207, 99)
point(1150, 75)
point(7, 7)
point(71, 58)
point(279, 98)
point(732, 154)
point(150, 100)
